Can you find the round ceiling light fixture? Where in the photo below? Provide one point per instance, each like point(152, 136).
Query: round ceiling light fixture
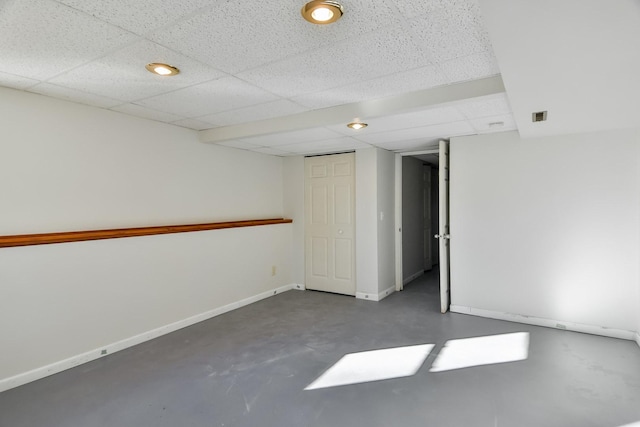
point(357, 125)
point(162, 69)
point(322, 11)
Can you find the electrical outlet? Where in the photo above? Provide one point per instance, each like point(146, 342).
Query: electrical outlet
point(273, 270)
point(103, 352)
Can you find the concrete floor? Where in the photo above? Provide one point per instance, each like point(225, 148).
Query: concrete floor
point(249, 368)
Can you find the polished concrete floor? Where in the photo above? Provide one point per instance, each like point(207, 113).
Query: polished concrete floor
point(250, 367)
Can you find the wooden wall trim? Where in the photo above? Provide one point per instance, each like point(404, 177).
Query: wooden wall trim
point(80, 236)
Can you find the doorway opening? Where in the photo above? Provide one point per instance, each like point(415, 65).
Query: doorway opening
point(422, 238)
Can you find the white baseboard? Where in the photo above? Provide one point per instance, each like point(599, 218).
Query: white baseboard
point(54, 368)
point(549, 323)
point(299, 287)
point(376, 297)
point(412, 277)
point(638, 338)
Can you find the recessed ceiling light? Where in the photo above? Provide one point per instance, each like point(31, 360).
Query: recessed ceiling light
point(162, 69)
point(357, 125)
point(322, 12)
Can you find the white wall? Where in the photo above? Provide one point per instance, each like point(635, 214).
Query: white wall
point(547, 227)
point(375, 223)
point(293, 185)
point(65, 166)
point(366, 222)
point(386, 221)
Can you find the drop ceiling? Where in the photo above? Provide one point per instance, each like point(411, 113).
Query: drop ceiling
point(244, 63)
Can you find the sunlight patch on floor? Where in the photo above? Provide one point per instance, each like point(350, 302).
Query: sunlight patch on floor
point(374, 365)
point(467, 352)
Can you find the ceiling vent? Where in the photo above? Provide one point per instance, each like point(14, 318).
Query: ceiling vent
point(539, 116)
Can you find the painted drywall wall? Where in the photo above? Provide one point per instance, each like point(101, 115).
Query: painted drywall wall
point(366, 222)
point(66, 166)
point(293, 193)
point(386, 221)
point(547, 227)
point(412, 217)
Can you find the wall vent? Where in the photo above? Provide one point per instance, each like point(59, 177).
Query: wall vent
point(539, 116)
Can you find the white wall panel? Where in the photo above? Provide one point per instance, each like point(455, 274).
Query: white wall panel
point(386, 220)
point(366, 222)
point(293, 185)
point(66, 167)
point(547, 227)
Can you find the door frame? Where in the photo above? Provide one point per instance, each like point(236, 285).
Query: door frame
point(398, 210)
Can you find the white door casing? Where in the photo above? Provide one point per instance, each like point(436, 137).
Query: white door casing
point(443, 232)
point(330, 223)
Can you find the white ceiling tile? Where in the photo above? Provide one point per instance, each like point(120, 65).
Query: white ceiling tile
point(490, 106)
point(491, 124)
point(193, 124)
point(138, 16)
point(415, 8)
point(323, 146)
point(123, 75)
point(360, 17)
point(453, 31)
point(268, 110)
point(147, 113)
point(16, 82)
point(390, 85)
point(362, 58)
point(59, 92)
point(432, 116)
point(215, 36)
point(427, 132)
point(472, 67)
point(227, 93)
point(239, 143)
point(306, 135)
point(40, 38)
point(232, 38)
point(271, 151)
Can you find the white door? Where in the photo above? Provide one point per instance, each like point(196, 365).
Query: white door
point(426, 216)
point(443, 232)
point(330, 223)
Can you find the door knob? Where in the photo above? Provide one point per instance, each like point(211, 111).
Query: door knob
point(340, 231)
